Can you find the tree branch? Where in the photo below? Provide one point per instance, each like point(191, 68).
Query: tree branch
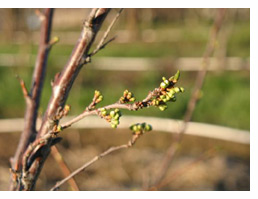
point(148, 101)
point(194, 97)
point(63, 83)
point(66, 171)
point(96, 158)
point(33, 97)
point(34, 159)
point(102, 42)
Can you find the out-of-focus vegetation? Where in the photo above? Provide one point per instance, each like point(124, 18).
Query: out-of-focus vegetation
point(149, 33)
point(226, 95)
point(225, 101)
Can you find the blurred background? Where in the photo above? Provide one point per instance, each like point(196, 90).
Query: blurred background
point(150, 43)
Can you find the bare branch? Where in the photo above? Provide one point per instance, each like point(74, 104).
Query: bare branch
point(34, 159)
point(96, 158)
point(195, 95)
point(102, 42)
point(29, 132)
point(24, 88)
point(40, 15)
point(52, 42)
point(66, 171)
point(63, 84)
point(206, 155)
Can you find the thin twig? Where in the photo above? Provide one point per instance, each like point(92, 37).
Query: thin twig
point(179, 172)
point(66, 171)
point(131, 107)
point(96, 158)
point(23, 87)
point(102, 43)
point(194, 97)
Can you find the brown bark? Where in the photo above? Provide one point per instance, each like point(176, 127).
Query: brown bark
point(34, 147)
point(33, 97)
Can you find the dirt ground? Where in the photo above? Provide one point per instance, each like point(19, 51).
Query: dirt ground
point(200, 164)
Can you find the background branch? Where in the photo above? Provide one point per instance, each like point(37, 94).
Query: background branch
point(204, 156)
point(96, 158)
point(63, 166)
point(194, 97)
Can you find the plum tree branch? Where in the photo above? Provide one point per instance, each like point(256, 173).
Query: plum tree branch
point(102, 42)
point(130, 143)
point(33, 97)
point(63, 166)
point(194, 97)
point(64, 82)
point(36, 145)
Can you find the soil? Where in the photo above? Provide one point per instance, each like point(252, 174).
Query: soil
point(200, 163)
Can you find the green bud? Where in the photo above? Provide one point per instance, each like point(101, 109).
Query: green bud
point(131, 127)
point(135, 128)
point(164, 79)
point(166, 82)
point(126, 92)
point(104, 113)
point(182, 89)
point(59, 128)
point(132, 99)
point(173, 99)
point(56, 39)
point(176, 76)
point(170, 94)
point(167, 98)
point(162, 107)
point(116, 122)
point(155, 102)
point(162, 97)
point(112, 113)
point(176, 89)
point(116, 110)
point(100, 98)
point(116, 116)
point(129, 95)
point(163, 85)
point(97, 93)
point(113, 126)
point(102, 109)
point(148, 127)
point(139, 127)
point(171, 78)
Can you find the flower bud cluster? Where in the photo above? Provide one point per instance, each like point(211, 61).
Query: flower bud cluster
point(113, 116)
point(127, 97)
point(168, 92)
point(98, 97)
point(140, 128)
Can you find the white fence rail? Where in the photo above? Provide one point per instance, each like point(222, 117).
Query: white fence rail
point(136, 64)
point(158, 124)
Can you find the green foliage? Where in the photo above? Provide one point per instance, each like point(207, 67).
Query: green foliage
point(226, 100)
point(226, 96)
